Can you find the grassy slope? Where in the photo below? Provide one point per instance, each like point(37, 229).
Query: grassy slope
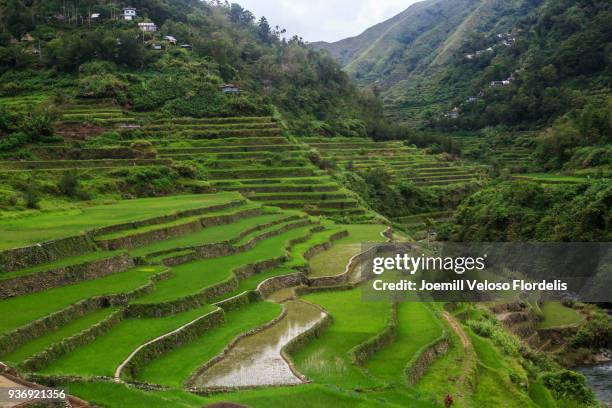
point(417, 327)
point(192, 277)
point(173, 368)
point(103, 355)
point(38, 344)
point(113, 395)
point(555, 315)
point(334, 260)
point(57, 224)
point(207, 235)
point(326, 360)
point(20, 310)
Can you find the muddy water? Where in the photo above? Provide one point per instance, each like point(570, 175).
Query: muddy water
point(256, 359)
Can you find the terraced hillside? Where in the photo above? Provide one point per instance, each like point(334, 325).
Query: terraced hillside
point(168, 301)
point(250, 155)
point(403, 163)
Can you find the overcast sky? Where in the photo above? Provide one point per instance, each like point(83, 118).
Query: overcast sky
point(325, 20)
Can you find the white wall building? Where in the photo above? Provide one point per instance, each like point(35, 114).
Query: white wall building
point(129, 13)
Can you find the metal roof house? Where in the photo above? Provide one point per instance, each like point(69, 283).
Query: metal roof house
point(147, 27)
point(129, 13)
point(230, 89)
point(170, 39)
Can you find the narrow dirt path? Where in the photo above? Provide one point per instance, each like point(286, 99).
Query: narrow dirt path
point(467, 344)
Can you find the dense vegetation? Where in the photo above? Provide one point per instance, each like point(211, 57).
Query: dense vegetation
point(52, 44)
point(521, 211)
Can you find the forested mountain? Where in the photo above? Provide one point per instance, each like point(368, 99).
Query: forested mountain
point(56, 45)
point(518, 63)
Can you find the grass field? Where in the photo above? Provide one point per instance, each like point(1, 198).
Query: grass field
point(106, 352)
point(333, 261)
point(59, 224)
point(209, 235)
point(190, 278)
point(417, 326)
point(20, 310)
point(326, 359)
point(557, 315)
point(40, 343)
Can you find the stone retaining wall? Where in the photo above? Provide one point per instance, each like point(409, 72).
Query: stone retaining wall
point(148, 237)
point(275, 283)
point(363, 351)
point(55, 351)
point(16, 338)
point(182, 336)
point(62, 276)
point(425, 357)
point(33, 255)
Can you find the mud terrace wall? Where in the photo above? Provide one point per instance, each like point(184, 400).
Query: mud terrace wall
point(182, 336)
point(42, 359)
point(30, 256)
point(66, 275)
point(362, 352)
point(425, 357)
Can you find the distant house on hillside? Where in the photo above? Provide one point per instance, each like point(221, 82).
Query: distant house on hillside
point(95, 16)
point(27, 38)
point(170, 39)
point(230, 89)
point(156, 47)
point(147, 27)
point(186, 46)
point(129, 13)
point(471, 99)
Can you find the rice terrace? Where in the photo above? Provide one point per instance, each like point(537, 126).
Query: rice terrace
point(190, 200)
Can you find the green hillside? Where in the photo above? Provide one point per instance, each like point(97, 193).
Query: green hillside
point(185, 196)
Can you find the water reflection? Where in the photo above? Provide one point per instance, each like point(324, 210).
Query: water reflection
point(256, 360)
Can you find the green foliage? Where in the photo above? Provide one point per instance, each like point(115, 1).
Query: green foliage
point(569, 385)
point(31, 195)
point(596, 333)
point(518, 211)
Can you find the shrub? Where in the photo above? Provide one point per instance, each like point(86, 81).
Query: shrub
point(31, 195)
point(69, 184)
point(569, 385)
point(596, 333)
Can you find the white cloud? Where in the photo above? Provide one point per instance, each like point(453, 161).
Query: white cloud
point(325, 20)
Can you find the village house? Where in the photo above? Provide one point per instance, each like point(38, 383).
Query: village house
point(129, 13)
point(147, 27)
point(156, 47)
point(230, 89)
point(186, 46)
point(471, 99)
point(95, 16)
point(170, 39)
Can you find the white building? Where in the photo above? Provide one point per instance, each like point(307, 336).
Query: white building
point(129, 13)
point(147, 27)
point(170, 39)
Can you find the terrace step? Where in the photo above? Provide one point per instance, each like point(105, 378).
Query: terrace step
point(70, 164)
point(263, 173)
point(306, 198)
